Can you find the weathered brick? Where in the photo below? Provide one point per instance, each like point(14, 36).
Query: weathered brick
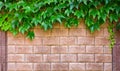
point(38, 41)
point(107, 50)
point(106, 33)
point(42, 67)
point(50, 40)
point(99, 33)
point(40, 32)
point(77, 32)
point(29, 42)
point(59, 32)
point(59, 49)
point(86, 40)
point(101, 41)
point(51, 57)
point(94, 49)
point(77, 67)
point(68, 57)
point(76, 49)
point(59, 67)
point(11, 67)
point(33, 58)
point(81, 24)
point(86, 57)
point(24, 67)
point(94, 66)
point(24, 49)
point(15, 57)
point(68, 40)
point(42, 49)
point(11, 49)
point(103, 58)
point(107, 66)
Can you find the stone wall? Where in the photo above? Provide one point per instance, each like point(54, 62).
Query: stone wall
point(60, 49)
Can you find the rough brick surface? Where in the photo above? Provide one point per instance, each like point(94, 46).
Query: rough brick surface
point(60, 49)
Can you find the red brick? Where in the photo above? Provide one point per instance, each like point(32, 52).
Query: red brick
point(11, 49)
point(41, 32)
point(24, 67)
point(38, 41)
point(77, 67)
point(42, 49)
point(107, 50)
point(24, 49)
point(86, 40)
point(29, 42)
point(103, 58)
point(101, 41)
point(68, 57)
point(106, 33)
point(11, 67)
point(81, 24)
point(99, 33)
point(107, 66)
point(51, 58)
point(76, 49)
point(59, 49)
point(94, 49)
point(86, 57)
point(94, 66)
point(59, 67)
point(59, 32)
point(77, 32)
point(15, 57)
point(50, 40)
point(68, 40)
point(42, 67)
point(56, 25)
point(33, 58)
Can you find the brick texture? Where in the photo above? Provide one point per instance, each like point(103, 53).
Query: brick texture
point(60, 49)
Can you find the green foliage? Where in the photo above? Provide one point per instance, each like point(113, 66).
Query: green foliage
point(21, 16)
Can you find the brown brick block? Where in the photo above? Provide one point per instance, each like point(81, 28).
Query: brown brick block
point(40, 32)
point(94, 66)
point(24, 49)
point(60, 32)
point(15, 57)
point(107, 50)
point(11, 67)
point(68, 57)
point(51, 57)
point(81, 24)
point(86, 57)
point(38, 41)
point(106, 33)
point(86, 40)
point(33, 58)
point(77, 32)
point(68, 40)
point(11, 49)
point(101, 41)
point(77, 67)
point(59, 49)
point(94, 49)
point(42, 49)
point(103, 58)
point(42, 67)
point(76, 49)
point(50, 40)
point(59, 67)
point(24, 67)
point(107, 66)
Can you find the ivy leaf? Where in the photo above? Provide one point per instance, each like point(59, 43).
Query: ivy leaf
point(113, 17)
point(89, 22)
point(79, 14)
point(94, 13)
point(14, 24)
point(118, 26)
point(36, 21)
point(30, 35)
point(1, 5)
point(68, 12)
point(2, 19)
point(24, 28)
point(28, 9)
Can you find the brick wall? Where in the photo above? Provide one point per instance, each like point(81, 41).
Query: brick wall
point(60, 49)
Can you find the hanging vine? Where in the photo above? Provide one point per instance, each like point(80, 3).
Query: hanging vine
point(19, 16)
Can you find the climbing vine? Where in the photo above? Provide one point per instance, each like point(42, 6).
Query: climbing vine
point(20, 16)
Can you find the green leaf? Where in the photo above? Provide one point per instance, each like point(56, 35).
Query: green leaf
point(118, 26)
point(113, 17)
point(1, 5)
point(31, 35)
point(94, 13)
point(79, 13)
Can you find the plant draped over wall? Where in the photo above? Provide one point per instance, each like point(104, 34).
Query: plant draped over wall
point(23, 15)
